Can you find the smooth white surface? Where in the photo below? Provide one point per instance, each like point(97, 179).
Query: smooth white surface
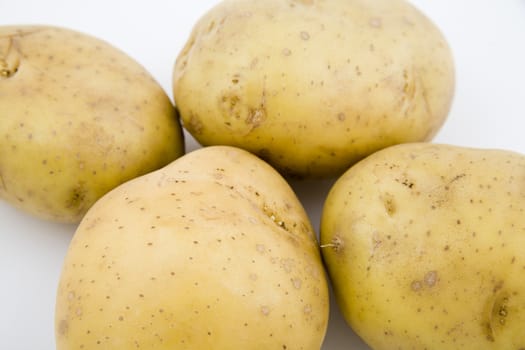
point(488, 41)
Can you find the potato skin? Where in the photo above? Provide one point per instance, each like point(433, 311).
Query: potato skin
point(313, 86)
point(425, 246)
point(79, 117)
point(214, 251)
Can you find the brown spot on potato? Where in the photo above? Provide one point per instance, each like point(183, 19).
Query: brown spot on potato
point(2, 183)
point(63, 327)
point(497, 287)
point(304, 35)
point(297, 283)
point(229, 104)
point(286, 52)
point(389, 204)
point(77, 198)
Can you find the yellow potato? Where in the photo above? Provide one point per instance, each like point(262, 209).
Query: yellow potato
point(214, 251)
point(425, 246)
point(313, 86)
point(78, 117)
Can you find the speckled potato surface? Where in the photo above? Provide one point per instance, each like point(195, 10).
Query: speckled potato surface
point(77, 118)
point(313, 86)
point(214, 251)
point(425, 245)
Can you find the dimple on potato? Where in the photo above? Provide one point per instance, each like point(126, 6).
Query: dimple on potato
point(77, 118)
point(313, 86)
point(425, 247)
point(214, 251)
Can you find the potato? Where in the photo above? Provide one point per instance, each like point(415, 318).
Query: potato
point(313, 86)
point(425, 246)
point(214, 251)
point(78, 117)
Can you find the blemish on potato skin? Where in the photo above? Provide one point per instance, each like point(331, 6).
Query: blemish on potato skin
point(375, 22)
point(431, 278)
point(256, 117)
point(389, 204)
point(260, 248)
point(265, 310)
point(336, 244)
point(429, 281)
point(304, 35)
point(416, 286)
point(9, 58)
point(195, 125)
point(63, 327)
point(297, 283)
point(2, 183)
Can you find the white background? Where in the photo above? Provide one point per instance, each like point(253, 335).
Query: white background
point(488, 41)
